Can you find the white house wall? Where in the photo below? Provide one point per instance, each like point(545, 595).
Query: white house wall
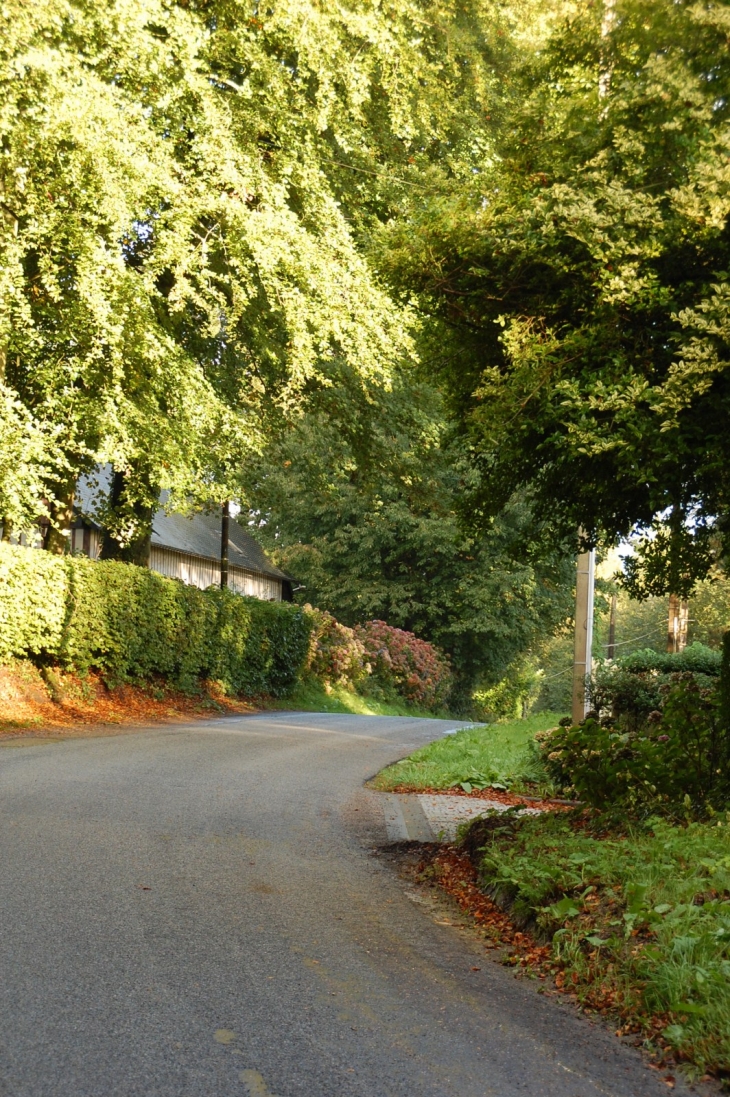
point(86, 541)
point(198, 571)
point(254, 584)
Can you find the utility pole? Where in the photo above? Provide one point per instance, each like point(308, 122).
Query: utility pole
point(608, 20)
point(225, 521)
point(585, 573)
point(584, 583)
point(11, 218)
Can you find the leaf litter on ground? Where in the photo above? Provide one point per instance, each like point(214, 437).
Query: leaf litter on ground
point(632, 922)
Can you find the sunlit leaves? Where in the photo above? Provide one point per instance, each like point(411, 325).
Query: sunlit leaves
point(579, 282)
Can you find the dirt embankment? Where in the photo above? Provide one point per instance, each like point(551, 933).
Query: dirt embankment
point(51, 703)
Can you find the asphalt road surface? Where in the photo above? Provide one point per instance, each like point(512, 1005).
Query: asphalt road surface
point(199, 912)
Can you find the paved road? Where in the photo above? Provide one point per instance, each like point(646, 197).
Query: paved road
point(197, 912)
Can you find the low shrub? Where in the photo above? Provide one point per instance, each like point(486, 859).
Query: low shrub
point(633, 687)
point(405, 666)
point(657, 740)
point(132, 624)
point(336, 655)
point(510, 698)
point(678, 760)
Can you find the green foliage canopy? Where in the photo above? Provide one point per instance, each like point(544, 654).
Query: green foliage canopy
point(175, 264)
point(580, 285)
point(360, 502)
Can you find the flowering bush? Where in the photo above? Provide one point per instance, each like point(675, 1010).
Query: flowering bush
point(393, 663)
point(336, 654)
point(679, 758)
point(635, 685)
point(404, 665)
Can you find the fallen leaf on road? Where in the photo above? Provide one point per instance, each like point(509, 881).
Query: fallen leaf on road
point(224, 1036)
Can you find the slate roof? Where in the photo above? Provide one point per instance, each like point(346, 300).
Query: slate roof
point(199, 535)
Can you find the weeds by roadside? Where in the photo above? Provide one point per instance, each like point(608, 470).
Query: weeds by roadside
point(490, 755)
point(625, 899)
point(312, 696)
point(453, 870)
point(636, 921)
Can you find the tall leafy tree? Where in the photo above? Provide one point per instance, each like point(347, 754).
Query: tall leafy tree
point(176, 264)
point(188, 190)
point(578, 287)
point(359, 502)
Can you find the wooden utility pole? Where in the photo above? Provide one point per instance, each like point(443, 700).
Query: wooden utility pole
point(678, 622)
point(585, 574)
point(584, 584)
point(225, 521)
point(608, 20)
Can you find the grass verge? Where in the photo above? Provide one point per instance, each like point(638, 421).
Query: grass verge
point(637, 921)
point(493, 754)
point(311, 696)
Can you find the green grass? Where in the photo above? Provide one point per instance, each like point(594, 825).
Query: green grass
point(310, 696)
point(640, 919)
point(493, 753)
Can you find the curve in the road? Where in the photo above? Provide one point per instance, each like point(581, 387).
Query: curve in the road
point(198, 912)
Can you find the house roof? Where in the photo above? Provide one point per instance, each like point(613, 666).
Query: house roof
point(198, 535)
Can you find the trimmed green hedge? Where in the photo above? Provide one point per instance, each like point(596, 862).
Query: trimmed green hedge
point(697, 658)
point(132, 624)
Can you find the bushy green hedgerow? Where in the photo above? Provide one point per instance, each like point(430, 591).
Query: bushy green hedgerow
point(131, 623)
point(658, 740)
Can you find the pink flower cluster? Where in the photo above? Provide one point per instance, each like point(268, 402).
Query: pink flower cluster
point(412, 668)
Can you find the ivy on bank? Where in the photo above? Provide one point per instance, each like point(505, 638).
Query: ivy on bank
point(131, 623)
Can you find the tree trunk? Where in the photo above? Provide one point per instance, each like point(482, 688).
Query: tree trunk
point(7, 530)
point(683, 625)
point(60, 519)
point(678, 622)
point(135, 550)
